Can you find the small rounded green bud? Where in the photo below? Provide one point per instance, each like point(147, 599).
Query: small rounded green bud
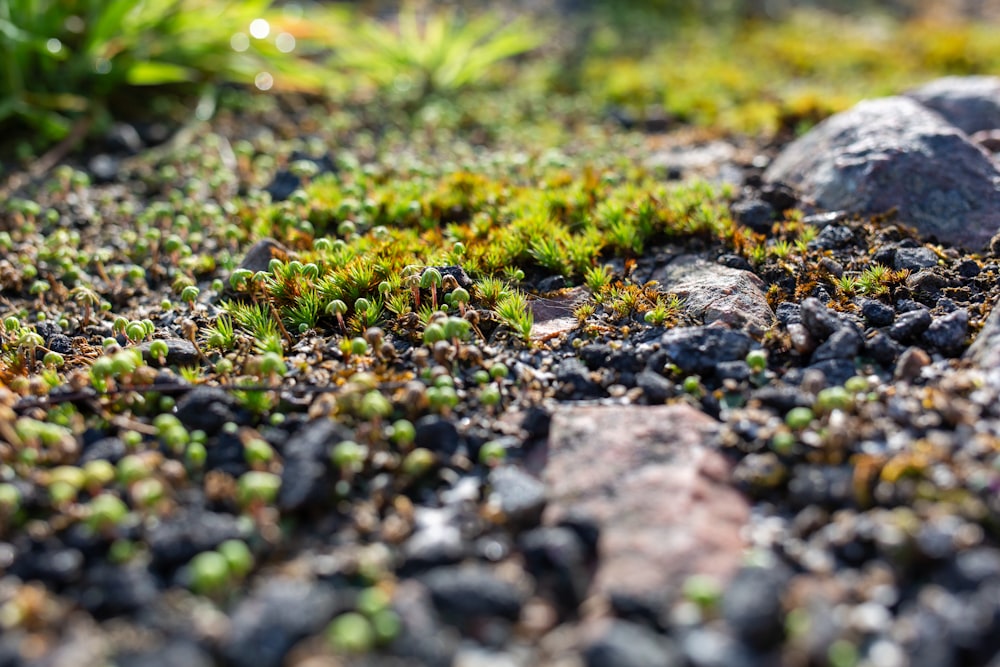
point(856, 385)
point(757, 360)
point(209, 572)
point(257, 451)
point(433, 332)
point(490, 395)
point(492, 452)
point(691, 384)
point(783, 442)
point(798, 418)
point(349, 455)
point(351, 633)
point(403, 432)
point(259, 486)
point(359, 346)
point(238, 557)
point(158, 349)
point(105, 511)
point(190, 294)
point(53, 359)
point(10, 499)
point(833, 398)
point(418, 462)
point(196, 454)
point(99, 473)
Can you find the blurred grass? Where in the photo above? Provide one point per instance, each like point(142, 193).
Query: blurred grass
point(726, 65)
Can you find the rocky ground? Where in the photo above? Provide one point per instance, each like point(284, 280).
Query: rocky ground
point(796, 465)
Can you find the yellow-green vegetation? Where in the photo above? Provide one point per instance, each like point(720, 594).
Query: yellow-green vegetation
point(760, 76)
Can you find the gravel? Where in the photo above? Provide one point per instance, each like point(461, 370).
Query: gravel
point(812, 484)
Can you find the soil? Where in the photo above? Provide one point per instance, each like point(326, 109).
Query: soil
point(815, 484)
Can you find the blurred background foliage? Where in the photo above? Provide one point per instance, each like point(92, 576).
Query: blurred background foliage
point(69, 68)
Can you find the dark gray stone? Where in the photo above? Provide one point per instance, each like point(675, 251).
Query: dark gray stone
point(893, 153)
point(624, 644)
point(701, 349)
point(926, 285)
point(756, 214)
point(910, 324)
point(914, 259)
point(819, 320)
point(782, 397)
point(178, 653)
point(832, 237)
point(180, 352)
point(575, 379)
point(306, 481)
point(877, 313)
point(175, 540)
point(518, 495)
point(752, 606)
point(970, 103)
point(842, 344)
point(788, 313)
point(261, 253)
point(437, 434)
point(226, 453)
point(971, 569)
point(882, 349)
point(655, 387)
point(826, 486)
point(206, 408)
point(432, 546)
point(947, 333)
point(60, 344)
point(270, 621)
point(836, 371)
point(712, 648)
point(559, 561)
point(109, 449)
point(778, 195)
point(463, 594)
point(733, 370)
point(422, 637)
point(116, 590)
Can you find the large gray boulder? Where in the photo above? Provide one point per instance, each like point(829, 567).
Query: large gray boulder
point(892, 153)
point(970, 103)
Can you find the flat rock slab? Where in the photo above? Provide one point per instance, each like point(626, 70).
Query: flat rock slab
point(970, 103)
point(718, 293)
point(553, 315)
point(660, 497)
point(893, 153)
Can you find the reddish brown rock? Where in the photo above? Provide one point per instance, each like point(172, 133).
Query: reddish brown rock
point(661, 498)
point(718, 293)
